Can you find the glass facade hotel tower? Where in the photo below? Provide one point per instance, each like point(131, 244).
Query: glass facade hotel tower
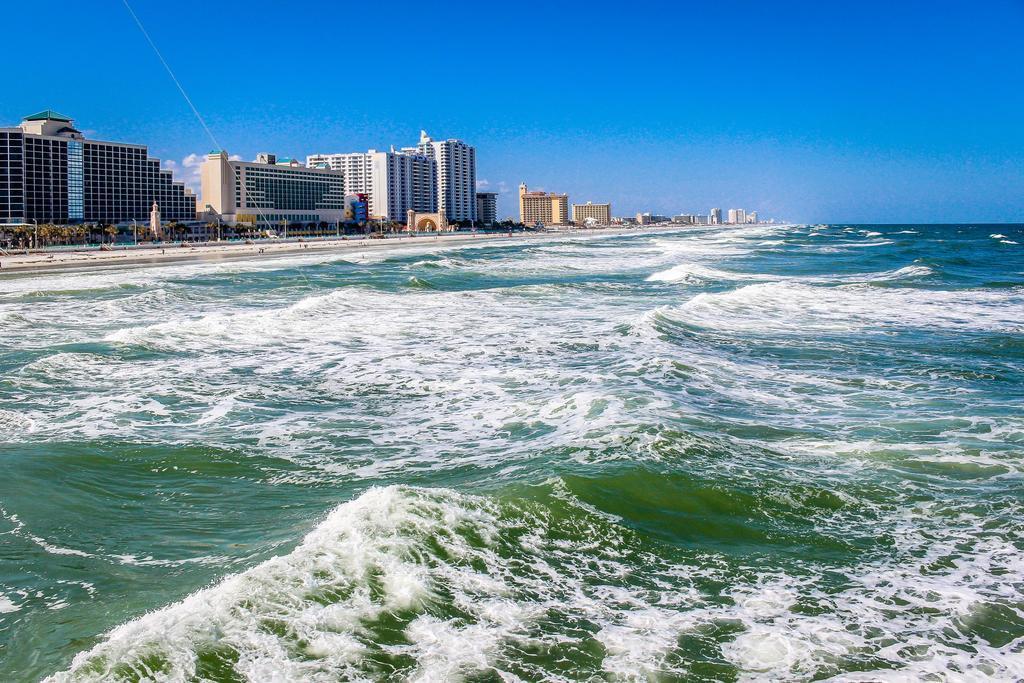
point(49, 173)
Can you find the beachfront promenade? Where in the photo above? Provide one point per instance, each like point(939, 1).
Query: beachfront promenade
point(161, 254)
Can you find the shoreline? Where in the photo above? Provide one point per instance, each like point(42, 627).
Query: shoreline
point(95, 259)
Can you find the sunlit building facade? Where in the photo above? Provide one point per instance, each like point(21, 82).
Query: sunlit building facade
point(546, 208)
point(270, 195)
point(599, 214)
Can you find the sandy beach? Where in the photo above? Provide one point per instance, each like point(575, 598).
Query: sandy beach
point(143, 255)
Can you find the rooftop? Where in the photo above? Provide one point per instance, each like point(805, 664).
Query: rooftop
point(48, 115)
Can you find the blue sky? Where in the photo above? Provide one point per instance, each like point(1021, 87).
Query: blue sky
point(811, 111)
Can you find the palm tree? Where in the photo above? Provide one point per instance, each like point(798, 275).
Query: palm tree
point(111, 232)
point(47, 231)
point(22, 232)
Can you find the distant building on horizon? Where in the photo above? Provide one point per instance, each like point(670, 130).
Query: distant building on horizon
point(737, 216)
point(601, 214)
point(487, 207)
point(542, 207)
point(49, 173)
point(715, 217)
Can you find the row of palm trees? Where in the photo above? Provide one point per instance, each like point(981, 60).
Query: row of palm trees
point(48, 234)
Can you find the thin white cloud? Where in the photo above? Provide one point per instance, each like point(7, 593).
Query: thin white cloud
point(187, 170)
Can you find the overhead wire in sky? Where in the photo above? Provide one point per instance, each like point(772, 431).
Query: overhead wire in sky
point(188, 99)
point(170, 72)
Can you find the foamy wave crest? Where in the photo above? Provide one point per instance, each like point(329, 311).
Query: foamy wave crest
point(693, 273)
point(789, 307)
point(434, 585)
point(431, 585)
point(905, 273)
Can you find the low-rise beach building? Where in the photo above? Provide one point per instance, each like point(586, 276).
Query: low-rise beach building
point(599, 214)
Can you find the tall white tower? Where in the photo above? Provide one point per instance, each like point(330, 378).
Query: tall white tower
point(154, 222)
point(456, 175)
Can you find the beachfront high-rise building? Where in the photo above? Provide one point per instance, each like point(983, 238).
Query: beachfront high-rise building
point(542, 207)
point(715, 217)
point(752, 217)
point(456, 175)
point(394, 182)
point(49, 173)
point(599, 214)
point(487, 207)
point(737, 216)
point(271, 194)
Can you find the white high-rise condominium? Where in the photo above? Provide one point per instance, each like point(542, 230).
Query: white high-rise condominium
point(737, 216)
point(394, 182)
point(456, 175)
point(716, 217)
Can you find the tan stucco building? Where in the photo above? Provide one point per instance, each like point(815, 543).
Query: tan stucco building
point(270, 192)
point(600, 213)
point(542, 207)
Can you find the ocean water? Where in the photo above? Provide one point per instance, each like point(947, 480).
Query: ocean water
point(781, 453)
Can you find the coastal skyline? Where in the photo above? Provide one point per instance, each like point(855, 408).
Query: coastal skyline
point(807, 113)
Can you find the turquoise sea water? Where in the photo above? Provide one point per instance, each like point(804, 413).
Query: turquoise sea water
point(759, 453)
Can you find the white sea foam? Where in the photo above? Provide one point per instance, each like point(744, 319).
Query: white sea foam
point(373, 557)
point(416, 382)
point(7, 605)
point(785, 307)
point(396, 551)
point(14, 426)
